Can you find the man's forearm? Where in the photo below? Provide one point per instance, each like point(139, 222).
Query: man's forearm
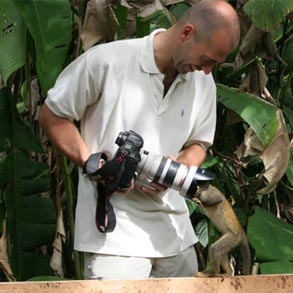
point(193, 155)
point(64, 135)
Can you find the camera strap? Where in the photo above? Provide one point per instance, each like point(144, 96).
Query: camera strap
point(111, 173)
point(105, 216)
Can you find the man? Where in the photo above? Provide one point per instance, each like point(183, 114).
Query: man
point(159, 86)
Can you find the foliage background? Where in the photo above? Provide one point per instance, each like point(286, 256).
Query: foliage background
point(252, 155)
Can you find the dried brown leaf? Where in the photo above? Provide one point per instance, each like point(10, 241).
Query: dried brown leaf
point(275, 157)
point(146, 8)
point(252, 146)
point(100, 24)
point(250, 40)
point(56, 259)
point(170, 2)
point(130, 28)
point(288, 212)
point(4, 260)
point(141, 2)
point(255, 81)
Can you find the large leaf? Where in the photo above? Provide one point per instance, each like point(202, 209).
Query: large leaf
point(277, 267)
point(192, 206)
point(260, 115)
point(202, 232)
point(100, 23)
point(13, 132)
point(267, 14)
point(30, 217)
point(270, 237)
point(49, 23)
point(34, 264)
point(12, 39)
point(275, 156)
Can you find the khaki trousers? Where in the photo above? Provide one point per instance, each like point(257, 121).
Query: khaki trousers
point(111, 267)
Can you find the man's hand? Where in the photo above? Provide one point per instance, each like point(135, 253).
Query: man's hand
point(152, 188)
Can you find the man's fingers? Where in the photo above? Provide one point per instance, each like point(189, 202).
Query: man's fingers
point(158, 187)
point(171, 157)
point(153, 188)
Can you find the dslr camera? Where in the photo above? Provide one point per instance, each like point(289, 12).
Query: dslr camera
point(130, 161)
point(148, 167)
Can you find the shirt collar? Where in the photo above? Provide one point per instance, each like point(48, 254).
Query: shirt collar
point(147, 58)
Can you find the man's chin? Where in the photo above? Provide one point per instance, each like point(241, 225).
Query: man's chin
point(186, 69)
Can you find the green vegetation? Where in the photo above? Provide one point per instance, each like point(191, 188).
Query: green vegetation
point(252, 155)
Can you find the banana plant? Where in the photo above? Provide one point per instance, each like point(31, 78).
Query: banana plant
point(30, 216)
point(50, 26)
point(251, 154)
point(35, 41)
point(273, 249)
point(12, 40)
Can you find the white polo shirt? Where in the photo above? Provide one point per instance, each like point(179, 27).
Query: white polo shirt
point(117, 87)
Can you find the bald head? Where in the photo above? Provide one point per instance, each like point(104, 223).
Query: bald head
point(213, 16)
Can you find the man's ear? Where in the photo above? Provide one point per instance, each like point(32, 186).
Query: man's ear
point(187, 31)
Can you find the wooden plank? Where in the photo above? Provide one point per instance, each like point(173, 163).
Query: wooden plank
point(239, 284)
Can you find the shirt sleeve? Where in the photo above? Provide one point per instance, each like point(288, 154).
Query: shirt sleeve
point(204, 127)
point(75, 88)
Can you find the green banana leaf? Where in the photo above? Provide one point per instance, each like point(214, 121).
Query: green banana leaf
point(267, 14)
point(12, 39)
point(11, 124)
point(270, 237)
point(277, 267)
point(179, 9)
point(30, 217)
point(34, 264)
point(192, 206)
point(202, 232)
point(260, 115)
point(50, 24)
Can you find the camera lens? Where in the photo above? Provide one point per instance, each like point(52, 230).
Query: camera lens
point(172, 168)
point(189, 185)
point(169, 173)
point(161, 170)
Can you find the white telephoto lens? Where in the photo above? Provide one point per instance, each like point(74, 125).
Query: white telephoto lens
point(189, 185)
point(146, 169)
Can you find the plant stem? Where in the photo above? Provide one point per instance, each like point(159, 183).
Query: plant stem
point(69, 200)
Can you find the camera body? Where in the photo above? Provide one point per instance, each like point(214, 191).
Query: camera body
point(130, 144)
point(150, 167)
